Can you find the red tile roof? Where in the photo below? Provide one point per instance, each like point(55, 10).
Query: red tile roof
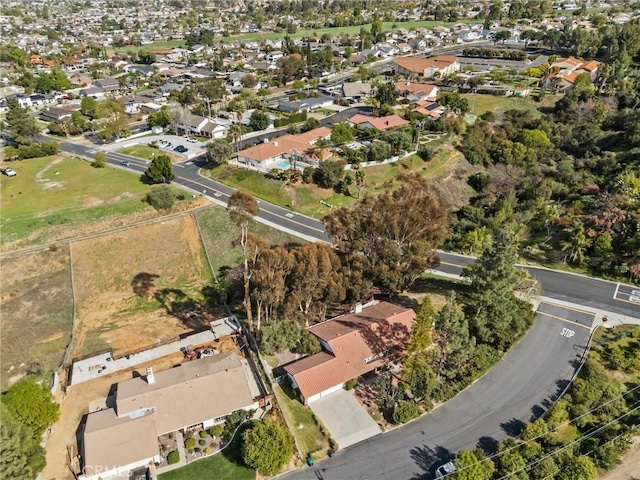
point(382, 123)
point(354, 339)
point(419, 65)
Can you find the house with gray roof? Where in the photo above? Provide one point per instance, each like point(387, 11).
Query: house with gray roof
point(116, 441)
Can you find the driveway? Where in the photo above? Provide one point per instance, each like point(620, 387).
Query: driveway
point(347, 421)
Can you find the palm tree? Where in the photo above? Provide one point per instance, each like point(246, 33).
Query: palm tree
point(477, 240)
point(235, 132)
point(320, 149)
point(576, 243)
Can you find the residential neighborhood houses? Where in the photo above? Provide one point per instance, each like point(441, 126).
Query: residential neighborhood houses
point(372, 135)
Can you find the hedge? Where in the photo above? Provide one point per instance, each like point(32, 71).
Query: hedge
point(293, 118)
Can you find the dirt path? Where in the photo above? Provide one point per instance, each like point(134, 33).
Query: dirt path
point(630, 467)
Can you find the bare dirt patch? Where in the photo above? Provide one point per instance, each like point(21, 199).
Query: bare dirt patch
point(629, 469)
point(37, 313)
point(46, 183)
point(120, 279)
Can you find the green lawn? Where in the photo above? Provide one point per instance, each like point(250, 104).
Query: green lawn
point(226, 465)
point(310, 436)
point(480, 103)
point(55, 191)
point(256, 183)
point(220, 236)
point(141, 151)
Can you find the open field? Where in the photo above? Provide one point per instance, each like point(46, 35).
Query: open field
point(51, 196)
point(220, 235)
point(480, 103)
point(226, 465)
point(37, 314)
point(127, 282)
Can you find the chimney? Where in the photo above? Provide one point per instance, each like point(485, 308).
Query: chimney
point(150, 378)
point(275, 143)
point(358, 308)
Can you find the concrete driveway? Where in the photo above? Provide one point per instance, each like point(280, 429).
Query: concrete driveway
point(347, 421)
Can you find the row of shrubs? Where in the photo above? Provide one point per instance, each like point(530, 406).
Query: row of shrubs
point(34, 150)
point(294, 118)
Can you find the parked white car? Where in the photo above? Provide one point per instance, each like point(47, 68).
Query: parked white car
point(9, 172)
point(445, 470)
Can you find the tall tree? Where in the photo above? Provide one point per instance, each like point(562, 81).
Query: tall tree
point(392, 237)
point(242, 208)
point(160, 170)
point(219, 152)
point(498, 316)
point(316, 281)
point(470, 467)
point(22, 126)
point(455, 345)
point(269, 279)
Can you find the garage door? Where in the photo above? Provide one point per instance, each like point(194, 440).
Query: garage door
point(324, 393)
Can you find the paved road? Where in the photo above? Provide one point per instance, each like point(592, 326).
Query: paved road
point(567, 287)
point(519, 387)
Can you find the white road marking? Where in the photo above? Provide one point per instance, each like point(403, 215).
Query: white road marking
point(566, 332)
point(615, 294)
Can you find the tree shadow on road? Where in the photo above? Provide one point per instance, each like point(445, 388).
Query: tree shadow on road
point(513, 427)
point(428, 459)
point(488, 444)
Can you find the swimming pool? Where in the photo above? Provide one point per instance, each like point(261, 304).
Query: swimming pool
point(286, 164)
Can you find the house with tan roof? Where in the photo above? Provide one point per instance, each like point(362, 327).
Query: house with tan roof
point(442, 66)
point(382, 123)
point(198, 125)
point(204, 392)
point(352, 345)
point(418, 91)
point(287, 148)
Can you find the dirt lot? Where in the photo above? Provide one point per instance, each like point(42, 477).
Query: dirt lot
point(127, 282)
point(630, 467)
point(76, 404)
point(37, 314)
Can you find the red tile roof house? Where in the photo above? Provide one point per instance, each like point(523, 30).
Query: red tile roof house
point(381, 124)
point(352, 345)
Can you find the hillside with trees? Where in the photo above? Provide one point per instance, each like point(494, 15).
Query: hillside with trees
point(568, 182)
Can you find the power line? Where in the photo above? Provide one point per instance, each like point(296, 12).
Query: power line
point(568, 422)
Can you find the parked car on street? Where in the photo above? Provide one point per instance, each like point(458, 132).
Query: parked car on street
point(445, 470)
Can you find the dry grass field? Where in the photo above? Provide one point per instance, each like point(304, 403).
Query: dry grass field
point(128, 282)
point(37, 313)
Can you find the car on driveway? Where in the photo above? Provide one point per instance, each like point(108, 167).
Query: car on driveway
point(9, 172)
point(445, 470)
point(192, 140)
